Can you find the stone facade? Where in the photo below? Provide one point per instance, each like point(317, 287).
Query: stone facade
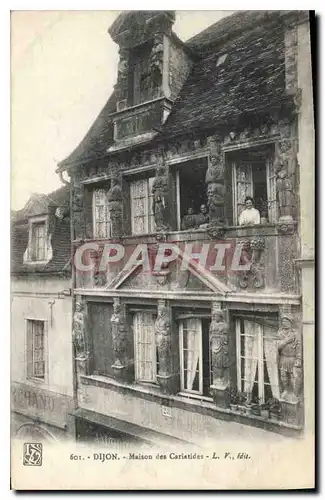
point(223, 316)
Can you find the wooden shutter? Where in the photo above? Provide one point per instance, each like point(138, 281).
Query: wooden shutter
point(271, 191)
point(145, 347)
point(243, 186)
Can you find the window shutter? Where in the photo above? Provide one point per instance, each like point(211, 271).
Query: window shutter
point(271, 191)
point(145, 347)
point(243, 186)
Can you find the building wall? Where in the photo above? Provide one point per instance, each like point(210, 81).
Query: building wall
point(306, 158)
point(49, 401)
point(179, 68)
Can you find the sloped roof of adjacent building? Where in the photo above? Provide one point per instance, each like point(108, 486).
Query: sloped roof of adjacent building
point(60, 238)
point(249, 80)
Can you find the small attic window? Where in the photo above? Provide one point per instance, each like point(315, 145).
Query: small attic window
point(221, 59)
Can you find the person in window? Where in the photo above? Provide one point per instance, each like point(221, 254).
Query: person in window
point(249, 216)
point(202, 219)
point(189, 220)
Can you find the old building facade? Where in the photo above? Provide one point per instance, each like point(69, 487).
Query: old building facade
point(191, 130)
point(41, 313)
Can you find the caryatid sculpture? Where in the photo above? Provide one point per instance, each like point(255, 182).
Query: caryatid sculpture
point(289, 349)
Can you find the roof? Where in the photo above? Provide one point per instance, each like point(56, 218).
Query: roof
point(234, 24)
point(60, 240)
point(248, 79)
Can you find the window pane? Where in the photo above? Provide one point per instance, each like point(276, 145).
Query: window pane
point(102, 222)
point(145, 347)
point(191, 352)
point(35, 349)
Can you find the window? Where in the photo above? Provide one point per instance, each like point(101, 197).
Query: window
point(195, 356)
point(35, 349)
point(144, 87)
point(101, 214)
point(254, 175)
point(191, 192)
point(38, 241)
point(145, 347)
point(142, 212)
point(257, 368)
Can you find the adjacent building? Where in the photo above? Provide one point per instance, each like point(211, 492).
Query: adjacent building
point(191, 349)
point(41, 312)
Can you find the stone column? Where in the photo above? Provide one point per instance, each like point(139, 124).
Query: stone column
point(81, 345)
point(218, 340)
point(215, 187)
point(290, 366)
point(121, 366)
point(167, 379)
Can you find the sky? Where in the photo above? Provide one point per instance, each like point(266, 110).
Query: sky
point(63, 68)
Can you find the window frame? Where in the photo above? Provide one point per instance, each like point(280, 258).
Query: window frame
point(181, 358)
point(30, 352)
point(149, 222)
point(154, 361)
point(28, 255)
point(260, 358)
point(272, 206)
point(107, 221)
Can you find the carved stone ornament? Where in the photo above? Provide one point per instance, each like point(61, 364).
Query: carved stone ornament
point(218, 337)
point(156, 59)
point(216, 232)
point(286, 227)
point(78, 331)
point(119, 335)
point(252, 252)
point(290, 364)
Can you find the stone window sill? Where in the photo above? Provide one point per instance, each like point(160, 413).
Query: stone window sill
point(198, 404)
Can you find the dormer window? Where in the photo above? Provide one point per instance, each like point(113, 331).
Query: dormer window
point(39, 249)
point(38, 241)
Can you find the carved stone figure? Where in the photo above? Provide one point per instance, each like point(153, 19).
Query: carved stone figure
point(289, 348)
point(115, 205)
point(79, 330)
point(215, 171)
point(219, 347)
point(156, 59)
point(118, 335)
point(160, 198)
point(216, 193)
point(163, 339)
point(284, 186)
point(122, 76)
